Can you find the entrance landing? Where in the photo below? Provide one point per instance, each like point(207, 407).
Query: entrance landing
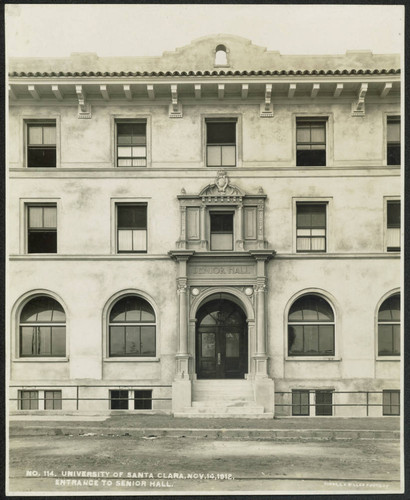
point(223, 399)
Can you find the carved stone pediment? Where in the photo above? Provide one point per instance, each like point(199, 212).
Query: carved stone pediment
point(221, 188)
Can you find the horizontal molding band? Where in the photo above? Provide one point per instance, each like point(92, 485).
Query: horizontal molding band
point(210, 257)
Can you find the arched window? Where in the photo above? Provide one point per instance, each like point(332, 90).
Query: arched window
point(132, 328)
point(42, 328)
point(311, 327)
point(388, 326)
point(221, 58)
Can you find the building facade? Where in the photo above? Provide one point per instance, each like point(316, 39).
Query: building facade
point(212, 232)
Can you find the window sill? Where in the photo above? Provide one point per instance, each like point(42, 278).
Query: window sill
point(131, 360)
point(41, 360)
point(312, 358)
point(388, 358)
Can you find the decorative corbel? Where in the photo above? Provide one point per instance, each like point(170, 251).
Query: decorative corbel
point(84, 108)
point(358, 106)
point(34, 94)
point(127, 92)
point(315, 90)
point(104, 92)
point(175, 108)
point(292, 90)
point(338, 90)
point(386, 89)
point(57, 92)
point(266, 108)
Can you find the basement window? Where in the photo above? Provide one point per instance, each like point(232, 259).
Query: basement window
point(119, 400)
point(143, 400)
point(391, 402)
point(28, 400)
point(324, 403)
point(300, 403)
point(52, 400)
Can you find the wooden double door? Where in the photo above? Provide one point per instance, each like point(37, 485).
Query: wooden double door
point(221, 341)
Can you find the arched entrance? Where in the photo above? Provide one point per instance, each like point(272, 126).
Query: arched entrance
point(221, 340)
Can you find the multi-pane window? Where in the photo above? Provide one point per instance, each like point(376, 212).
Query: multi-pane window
point(393, 226)
point(311, 227)
point(41, 144)
point(311, 327)
point(221, 143)
point(221, 230)
point(42, 328)
point(132, 227)
point(389, 327)
point(131, 144)
point(42, 228)
point(393, 140)
point(300, 402)
point(143, 400)
point(132, 328)
point(119, 400)
point(391, 402)
point(310, 142)
point(28, 400)
point(323, 403)
point(52, 400)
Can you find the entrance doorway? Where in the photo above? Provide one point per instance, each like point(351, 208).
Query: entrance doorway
point(221, 341)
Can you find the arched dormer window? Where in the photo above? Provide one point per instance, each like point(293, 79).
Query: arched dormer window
point(42, 328)
point(388, 327)
point(221, 56)
point(311, 327)
point(132, 328)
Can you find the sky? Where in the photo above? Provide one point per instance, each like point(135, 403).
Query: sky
point(47, 30)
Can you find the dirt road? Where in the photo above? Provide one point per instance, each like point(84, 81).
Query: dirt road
point(98, 463)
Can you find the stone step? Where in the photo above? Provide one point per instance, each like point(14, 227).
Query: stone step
point(244, 403)
point(223, 415)
point(222, 390)
point(225, 409)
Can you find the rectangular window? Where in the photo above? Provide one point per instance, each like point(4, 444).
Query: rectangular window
point(42, 228)
point(311, 340)
point(41, 144)
point(221, 230)
point(52, 400)
point(132, 227)
point(391, 402)
point(221, 143)
point(132, 144)
point(42, 340)
point(324, 403)
point(310, 142)
point(300, 403)
point(311, 227)
point(143, 400)
point(393, 140)
point(393, 226)
point(119, 400)
point(28, 400)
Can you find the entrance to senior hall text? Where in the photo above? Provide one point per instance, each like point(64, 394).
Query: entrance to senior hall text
point(221, 341)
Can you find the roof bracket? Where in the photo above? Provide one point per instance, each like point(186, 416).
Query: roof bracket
point(175, 108)
point(358, 106)
point(84, 108)
point(266, 108)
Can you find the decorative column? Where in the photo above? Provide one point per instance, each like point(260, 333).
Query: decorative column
point(202, 227)
point(239, 227)
point(181, 387)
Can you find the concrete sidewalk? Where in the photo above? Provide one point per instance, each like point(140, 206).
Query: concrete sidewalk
point(152, 426)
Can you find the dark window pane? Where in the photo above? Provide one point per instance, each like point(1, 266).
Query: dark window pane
point(326, 340)
point(300, 403)
point(221, 222)
point(58, 341)
point(309, 215)
point(44, 340)
point(295, 339)
point(28, 400)
point(311, 158)
point(41, 157)
point(42, 241)
point(132, 216)
point(390, 309)
point(132, 340)
point(391, 402)
point(142, 400)
point(27, 340)
point(133, 309)
point(311, 339)
point(148, 340)
point(52, 400)
point(42, 309)
point(221, 132)
point(393, 154)
point(311, 308)
point(119, 400)
point(323, 403)
point(393, 214)
point(117, 340)
point(385, 340)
